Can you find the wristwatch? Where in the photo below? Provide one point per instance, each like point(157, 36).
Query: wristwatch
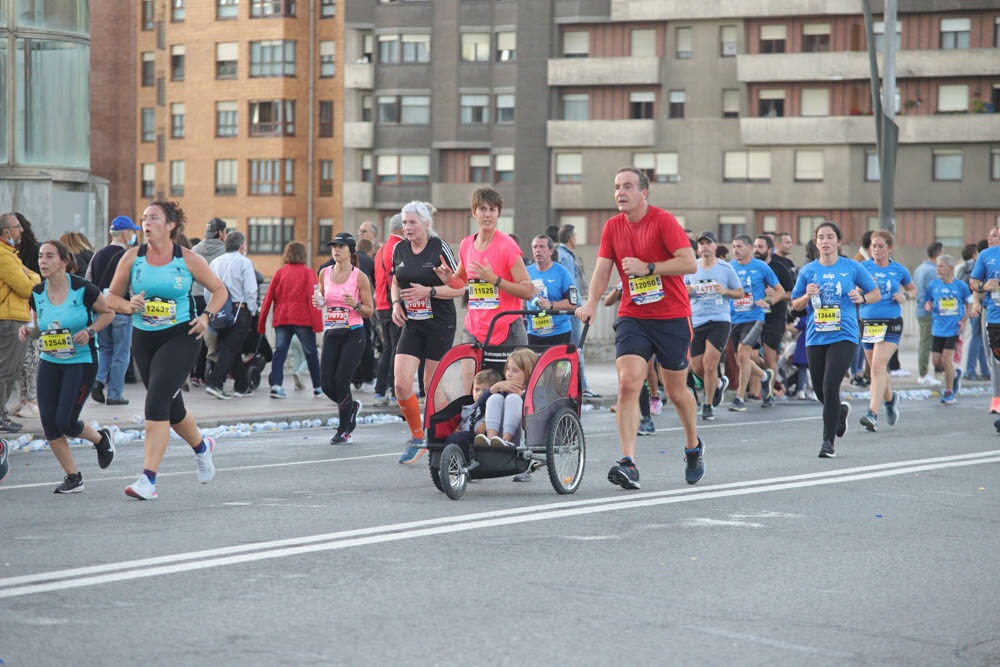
point(496, 283)
point(433, 292)
point(652, 267)
point(91, 332)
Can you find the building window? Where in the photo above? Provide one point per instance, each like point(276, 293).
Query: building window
point(269, 8)
point(772, 38)
point(576, 44)
point(955, 33)
point(769, 223)
point(177, 62)
point(177, 11)
point(995, 164)
point(878, 30)
point(148, 14)
point(731, 103)
point(815, 102)
point(325, 178)
point(947, 165)
point(808, 165)
point(506, 47)
point(225, 177)
point(404, 109)
point(227, 9)
point(327, 59)
point(272, 58)
point(366, 167)
point(226, 60)
point(727, 41)
point(388, 49)
point(807, 225)
point(731, 226)
point(272, 177)
point(148, 181)
point(416, 48)
point(996, 32)
point(873, 172)
point(685, 43)
point(576, 106)
point(269, 236)
point(658, 167)
point(475, 109)
point(476, 47)
point(325, 119)
point(177, 178)
point(402, 169)
point(177, 120)
point(949, 230)
point(771, 103)
point(226, 119)
point(816, 38)
point(479, 168)
point(640, 104)
point(746, 166)
point(327, 9)
point(505, 108)
point(148, 125)
point(953, 97)
point(504, 168)
point(148, 68)
point(272, 118)
point(642, 43)
point(367, 47)
point(569, 168)
point(324, 234)
point(678, 98)
point(367, 102)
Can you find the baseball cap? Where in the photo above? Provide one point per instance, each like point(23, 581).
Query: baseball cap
point(343, 238)
point(215, 226)
point(123, 222)
point(708, 235)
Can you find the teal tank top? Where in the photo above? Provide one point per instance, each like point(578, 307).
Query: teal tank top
point(58, 324)
point(168, 291)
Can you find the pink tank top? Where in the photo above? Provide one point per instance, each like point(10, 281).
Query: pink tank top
point(338, 315)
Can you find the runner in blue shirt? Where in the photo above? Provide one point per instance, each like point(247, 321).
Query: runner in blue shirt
point(945, 299)
point(552, 283)
point(882, 325)
point(830, 287)
point(985, 284)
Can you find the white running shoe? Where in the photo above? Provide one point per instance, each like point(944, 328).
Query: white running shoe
point(206, 468)
point(142, 489)
point(929, 380)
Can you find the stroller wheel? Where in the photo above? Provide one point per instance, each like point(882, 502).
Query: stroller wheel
point(253, 377)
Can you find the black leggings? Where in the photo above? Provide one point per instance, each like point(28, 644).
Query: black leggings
point(340, 357)
point(62, 391)
point(827, 365)
point(164, 359)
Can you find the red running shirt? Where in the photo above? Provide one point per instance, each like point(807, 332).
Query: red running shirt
point(655, 238)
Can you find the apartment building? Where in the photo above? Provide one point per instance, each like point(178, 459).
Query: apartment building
point(238, 117)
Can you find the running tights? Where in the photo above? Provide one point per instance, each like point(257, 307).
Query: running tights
point(62, 391)
point(827, 365)
point(340, 357)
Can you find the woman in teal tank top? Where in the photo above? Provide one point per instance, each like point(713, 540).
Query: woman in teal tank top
point(166, 334)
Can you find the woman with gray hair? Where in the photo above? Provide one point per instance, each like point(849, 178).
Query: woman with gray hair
point(422, 307)
point(237, 273)
point(946, 300)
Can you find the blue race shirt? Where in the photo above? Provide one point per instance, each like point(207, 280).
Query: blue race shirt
point(555, 284)
point(754, 276)
point(168, 291)
point(57, 324)
point(890, 279)
point(837, 319)
point(707, 305)
point(947, 306)
point(988, 267)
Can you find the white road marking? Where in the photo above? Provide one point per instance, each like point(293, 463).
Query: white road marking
point(43, 582)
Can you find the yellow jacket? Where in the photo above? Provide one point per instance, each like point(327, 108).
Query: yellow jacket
point(15, 286)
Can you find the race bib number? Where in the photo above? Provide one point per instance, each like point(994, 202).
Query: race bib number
point(828, 319)
point(645, 289)
point(336, 318)
point(58, 343)
point(483, 295)
point(160, 312)
point(743, 304)
point(874, 332)
point(948, 306)
point(419, 309)
point(542, 323)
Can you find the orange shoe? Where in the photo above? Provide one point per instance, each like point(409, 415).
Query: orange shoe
point(995, 405)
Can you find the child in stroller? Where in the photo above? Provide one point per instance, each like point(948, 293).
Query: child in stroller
point(473, 420)
point(504, 406)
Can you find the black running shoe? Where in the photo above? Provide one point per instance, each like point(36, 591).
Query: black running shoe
point(352, 423)
point(71, 484)
point(707, 412)
point(720, 391)
point(624, 474)
point(105, 448)
point(695, 458)
point(97, 392)
point(826, 451)
point(845, 411)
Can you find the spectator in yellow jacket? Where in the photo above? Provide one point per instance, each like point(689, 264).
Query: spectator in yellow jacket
point(16, 282)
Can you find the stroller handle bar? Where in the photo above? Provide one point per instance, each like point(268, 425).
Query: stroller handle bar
point(553, 311)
